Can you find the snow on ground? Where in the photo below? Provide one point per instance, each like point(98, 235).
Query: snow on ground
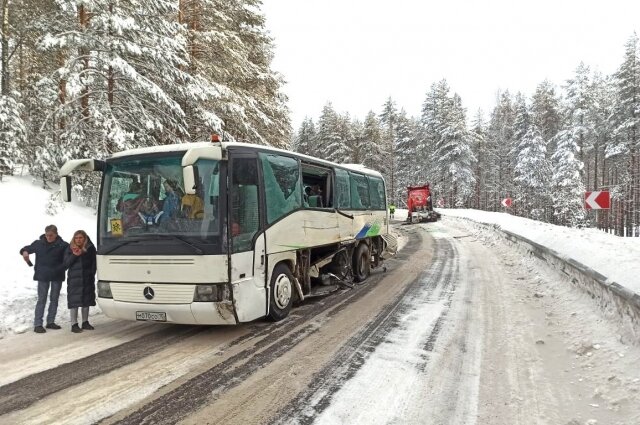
point(615, 257)
point(24, 215)
point(390, 370)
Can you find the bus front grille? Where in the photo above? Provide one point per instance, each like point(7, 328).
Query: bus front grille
point(163, 293)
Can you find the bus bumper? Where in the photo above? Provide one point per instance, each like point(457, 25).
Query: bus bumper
point(196, 313)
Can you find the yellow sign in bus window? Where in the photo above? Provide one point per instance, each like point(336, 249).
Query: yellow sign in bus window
point(116, 227)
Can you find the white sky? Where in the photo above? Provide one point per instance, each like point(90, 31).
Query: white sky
point(357, 53)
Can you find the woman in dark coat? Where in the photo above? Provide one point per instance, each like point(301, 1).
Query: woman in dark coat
point(80, 261)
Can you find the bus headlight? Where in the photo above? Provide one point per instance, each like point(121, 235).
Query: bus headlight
point(210, 293)
point(104, 289)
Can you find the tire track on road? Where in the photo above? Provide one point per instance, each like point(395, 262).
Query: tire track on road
point(26, 391)
point(205, 388)
point(435, 283)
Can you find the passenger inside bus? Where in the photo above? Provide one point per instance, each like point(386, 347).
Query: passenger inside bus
point(305, 196)
point(172, 201)
point(148, 212)
point(129, 205)
point(135, 191)
point(192, 206)
point(315, 199)
point(313, 196)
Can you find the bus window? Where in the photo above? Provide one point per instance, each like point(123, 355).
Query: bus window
point(343, 194)
point(316, 181)
point(376, 192)
point(359, 191)
point(282, 185)
point(245, 219)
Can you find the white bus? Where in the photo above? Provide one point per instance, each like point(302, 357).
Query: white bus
point(254, 230)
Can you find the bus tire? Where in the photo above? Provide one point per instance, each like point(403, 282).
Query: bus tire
point(281, 292)
point(361, 262)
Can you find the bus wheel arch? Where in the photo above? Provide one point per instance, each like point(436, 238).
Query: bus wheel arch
point(361, 262)
point(281, 291)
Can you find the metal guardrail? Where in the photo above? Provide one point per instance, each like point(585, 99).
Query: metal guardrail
point(613, 298)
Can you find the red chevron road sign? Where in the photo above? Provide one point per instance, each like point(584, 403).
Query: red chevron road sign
point(597, 200)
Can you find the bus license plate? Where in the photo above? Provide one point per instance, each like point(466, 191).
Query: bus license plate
point(153, 316)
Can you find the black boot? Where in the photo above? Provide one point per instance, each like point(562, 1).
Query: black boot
point(87, 326)
point(39, 330)
point(75, 328)
point(52, 326)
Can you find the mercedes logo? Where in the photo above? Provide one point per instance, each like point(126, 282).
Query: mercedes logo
point(148, 293)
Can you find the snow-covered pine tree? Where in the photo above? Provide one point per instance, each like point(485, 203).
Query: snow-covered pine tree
point(576, 109)
point(522, 119)
point(432, 122)
point(20, 25)
point(406, 146)
point(339, 150)
point(26, 66)
point(42, 147)
point(578, 128)
point(328, 132)
point(371, 149)
point(627, 112)
point(388, 122)
point(12, 134)
point(601, 116)
point(229, 46)
point(123, 72)
point(266, 103)
point(355, 145)
point(481, 151)
point(624, 150)
point(305, 138)
point(454, 169)
point(567, 186)
point(520, 129)
point(500, 142)
point(533, 175)
point(545, 113)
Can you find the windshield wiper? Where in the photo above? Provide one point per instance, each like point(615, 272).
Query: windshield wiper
point(183, 240)
point(119, 244)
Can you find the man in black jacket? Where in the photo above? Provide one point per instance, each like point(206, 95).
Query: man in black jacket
point(49, 272)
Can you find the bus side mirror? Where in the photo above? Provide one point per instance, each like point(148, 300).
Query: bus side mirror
point(65, 188)
point(189, 178)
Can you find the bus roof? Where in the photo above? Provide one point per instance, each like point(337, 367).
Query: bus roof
point(177, 147)
point(180, 147)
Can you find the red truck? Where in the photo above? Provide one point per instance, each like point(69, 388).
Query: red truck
point(420, 205)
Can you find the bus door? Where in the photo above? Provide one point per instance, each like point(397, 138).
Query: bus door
point(247, 240)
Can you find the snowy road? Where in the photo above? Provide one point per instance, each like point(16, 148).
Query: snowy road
point(459, 330)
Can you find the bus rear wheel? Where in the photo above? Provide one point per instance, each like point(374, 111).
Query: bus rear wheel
point(281, 293)
point(361, 262)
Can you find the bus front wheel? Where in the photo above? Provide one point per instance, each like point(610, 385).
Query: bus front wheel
point(361, 262)
point(281, 297)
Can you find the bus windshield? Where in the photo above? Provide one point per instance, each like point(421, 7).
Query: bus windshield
point(144, 209)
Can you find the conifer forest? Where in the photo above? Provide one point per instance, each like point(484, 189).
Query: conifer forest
point(87, 78)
